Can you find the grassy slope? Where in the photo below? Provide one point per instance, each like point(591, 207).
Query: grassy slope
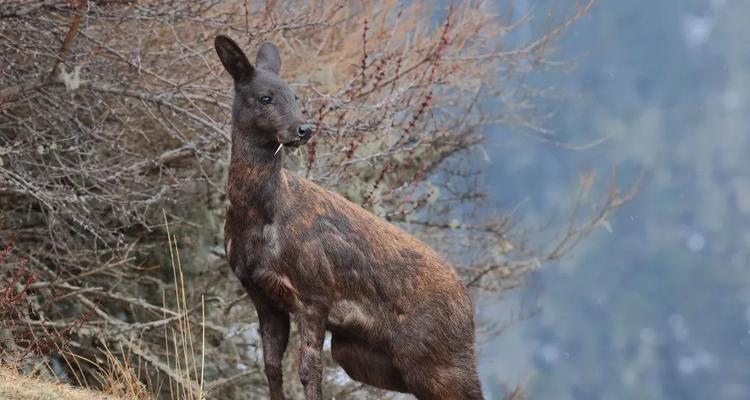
point(14, 386)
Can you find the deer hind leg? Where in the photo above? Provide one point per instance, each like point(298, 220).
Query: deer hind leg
point(365, 364)
point(429, 381)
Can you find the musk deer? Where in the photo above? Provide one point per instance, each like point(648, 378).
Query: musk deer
point(399, 317)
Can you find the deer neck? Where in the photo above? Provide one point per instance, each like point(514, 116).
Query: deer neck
point(255, 177)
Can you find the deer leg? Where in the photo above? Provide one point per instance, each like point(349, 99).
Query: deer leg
point(274, 334)
point(311, 327)
point(365, 364)
point(453, 379)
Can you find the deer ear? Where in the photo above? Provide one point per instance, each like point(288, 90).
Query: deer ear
point(234, 60)
point(268, 58)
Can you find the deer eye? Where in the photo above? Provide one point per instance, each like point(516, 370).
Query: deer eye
point(265, 100)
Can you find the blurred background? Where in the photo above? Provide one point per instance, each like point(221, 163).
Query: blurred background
point(656, 305)
point(581, 163)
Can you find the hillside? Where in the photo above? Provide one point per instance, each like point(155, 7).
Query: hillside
point(14, 386)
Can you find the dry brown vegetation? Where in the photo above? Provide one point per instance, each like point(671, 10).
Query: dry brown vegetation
point(112, 111)
point(14, 386)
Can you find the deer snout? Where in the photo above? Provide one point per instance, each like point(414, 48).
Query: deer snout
point(304, 131)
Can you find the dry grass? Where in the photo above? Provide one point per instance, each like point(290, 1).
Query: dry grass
point(121, 379)
point(117, 368)
point(14, 386)
point(186, 383)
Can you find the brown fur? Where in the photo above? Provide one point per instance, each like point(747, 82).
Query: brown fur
point(400, 317)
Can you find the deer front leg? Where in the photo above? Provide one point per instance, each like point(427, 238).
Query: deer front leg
point(311, 326)
point(274, 335)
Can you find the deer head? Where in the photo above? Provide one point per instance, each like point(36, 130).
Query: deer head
point(265, 108)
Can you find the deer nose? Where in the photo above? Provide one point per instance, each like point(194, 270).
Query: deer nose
point(305, 131)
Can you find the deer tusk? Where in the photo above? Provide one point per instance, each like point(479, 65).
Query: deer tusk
point(279, 149)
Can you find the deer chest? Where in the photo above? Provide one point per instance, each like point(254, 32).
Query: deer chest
point(255, 255)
